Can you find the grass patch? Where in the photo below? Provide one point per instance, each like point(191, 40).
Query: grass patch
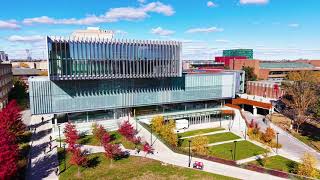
point(129, 168)
point(116, 138)
point(199, 131)
point(278, 163)
point(214, 138)
point(244, 149)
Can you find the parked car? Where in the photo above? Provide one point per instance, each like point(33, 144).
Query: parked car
point(198, 165)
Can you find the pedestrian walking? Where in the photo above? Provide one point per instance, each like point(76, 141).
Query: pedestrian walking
point(50, 146)
point(50, 139)
point(42, 119)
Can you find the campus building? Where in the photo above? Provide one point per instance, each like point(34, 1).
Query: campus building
point(5, 83)
point(248, 53)
point(109, 79)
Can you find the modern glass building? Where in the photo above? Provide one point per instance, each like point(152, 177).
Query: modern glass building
point(105, 79)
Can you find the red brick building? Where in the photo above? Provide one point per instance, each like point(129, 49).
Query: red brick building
point(265, 89)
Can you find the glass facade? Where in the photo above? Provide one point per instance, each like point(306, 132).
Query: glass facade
point(77, 59)
point(89, 95)
point(239, 52)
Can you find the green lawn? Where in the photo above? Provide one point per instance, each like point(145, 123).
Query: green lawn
point(115, 136)
point(214, 138)
point(129, 168)
point(277, 163)
point(244, 149)
point(199, 131)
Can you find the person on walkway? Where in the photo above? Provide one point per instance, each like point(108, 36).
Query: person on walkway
point(50, 145)
point(50, 139)
point(42, 119)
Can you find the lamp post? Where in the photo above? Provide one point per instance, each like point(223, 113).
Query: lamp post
point(134, 116)
point(64, 152)
point(189, 153)
point(59, 135)
point(277, 142)
point(245, 132)
point(151, 135)
point(234, 150)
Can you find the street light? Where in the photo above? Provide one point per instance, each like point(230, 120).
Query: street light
point(59, 135)
point(245, 132)
point(234, 150)
point(277, 142)
point(151, 135)
point(189, 153)
point(64, 152)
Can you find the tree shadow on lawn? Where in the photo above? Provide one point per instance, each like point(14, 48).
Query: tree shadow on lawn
point(292, 166)
point(93, 162)
point(312, 132)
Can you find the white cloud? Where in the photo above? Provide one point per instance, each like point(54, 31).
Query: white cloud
point(121, 32)
point(222, 41)
point(113, 15)
point(204, 30)
point(254, 1)
point(11, 24)
point(162, 32)
point(294, 25)
point(142, 1)
point(31, 39)
point(211, 4)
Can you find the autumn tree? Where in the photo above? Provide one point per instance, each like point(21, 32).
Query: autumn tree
point(168, 134)
point(98, 132)
point(71, 135)
point(11, 120)
point(8, 155)
point(78, 158)
point(308, 166)
point(299, 98)
point(269, 135)
point(126, 129)
point(199, 145)
point(147, 148)
point(106, 138)
point(112, 151)
point(157, 124)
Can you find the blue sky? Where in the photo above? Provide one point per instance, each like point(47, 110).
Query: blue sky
point(275, 29)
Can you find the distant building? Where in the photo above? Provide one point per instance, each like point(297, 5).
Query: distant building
point(25, 73)
point(93, 33)
point(248, 53)
point(201, 64)
point(3, 56)
point(41, 65)
point(266, 89)
point(228, 60)
point(5, 83)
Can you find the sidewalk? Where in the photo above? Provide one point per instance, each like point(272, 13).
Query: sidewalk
point(43, 162)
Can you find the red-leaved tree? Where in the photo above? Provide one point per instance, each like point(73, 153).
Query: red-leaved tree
point(126, 129)
point(78, 158)
point(71, 135)
point(147, 148)
point(112, 151)
point(106, 138)
point(8, 155)
point(10, 119)
point(98, 132)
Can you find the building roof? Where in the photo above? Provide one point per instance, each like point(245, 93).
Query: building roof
point(25, 72)
point(275, 65)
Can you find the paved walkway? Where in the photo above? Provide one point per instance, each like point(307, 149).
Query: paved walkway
point(292, 148)
point(224, 142)
point(43, 162)
point(253, 158)
point(164, 154)
point(205, 134)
